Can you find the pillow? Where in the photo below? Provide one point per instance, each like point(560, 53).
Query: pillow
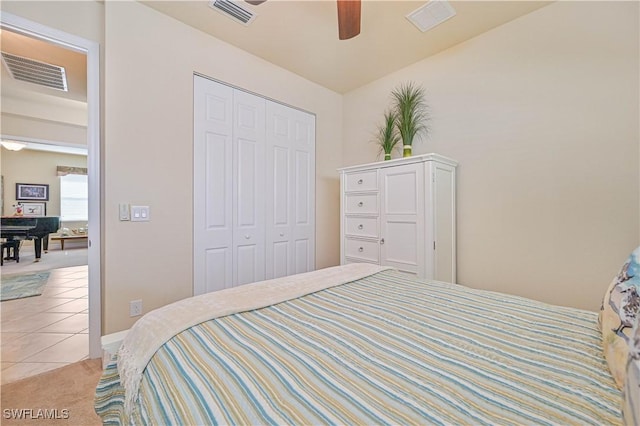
point(631, 391)
point(620, 308)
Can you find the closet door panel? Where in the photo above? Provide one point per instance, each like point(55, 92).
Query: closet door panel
point(303, 193)
point(249, 188)
point(218, 267)
point(278, 193)
point(290, 190)
point(213, 217)
point(302, 189)
point(279, 259)
point(247, 185)
point(248, 264)
point(281, 183)
point(302, 260)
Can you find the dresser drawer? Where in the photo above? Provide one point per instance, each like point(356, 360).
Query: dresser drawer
point(361, 226)
point(361, 249)
point(361, 203)
point(361, 181)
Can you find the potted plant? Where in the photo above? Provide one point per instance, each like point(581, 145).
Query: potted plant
point(387, 137)
point(411, 111)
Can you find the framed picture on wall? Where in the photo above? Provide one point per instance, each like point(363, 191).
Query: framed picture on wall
point(34, 209)
point(32, 191)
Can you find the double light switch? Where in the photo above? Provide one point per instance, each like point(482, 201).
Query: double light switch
point(134, 213)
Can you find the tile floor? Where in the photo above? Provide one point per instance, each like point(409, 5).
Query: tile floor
point(49, 331)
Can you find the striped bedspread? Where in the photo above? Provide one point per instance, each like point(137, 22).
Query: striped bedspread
point(386, 349)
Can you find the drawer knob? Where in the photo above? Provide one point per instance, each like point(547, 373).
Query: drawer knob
point(247, 236)
point(360, 181)
point(282, 234)
point(361, 226)
point(360, 204)
point(361, 249)
point(382, 241)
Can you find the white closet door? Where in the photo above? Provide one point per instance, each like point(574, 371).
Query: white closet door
point(213, 219)
point(249, 188)
point(402, 217)
point(279, 254)
point(290, 204)
point(304, 200)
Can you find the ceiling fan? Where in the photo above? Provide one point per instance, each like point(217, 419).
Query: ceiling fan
point(348, 17)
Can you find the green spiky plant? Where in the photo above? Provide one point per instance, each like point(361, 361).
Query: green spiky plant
point(411, 110)
point(387, 136)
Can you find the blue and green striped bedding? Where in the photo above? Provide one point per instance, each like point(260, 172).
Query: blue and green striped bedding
point(385, 349)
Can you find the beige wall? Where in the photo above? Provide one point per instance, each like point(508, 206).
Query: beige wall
point(28, 166)
point(43, 130)
point(542, 114)
point(150, 60)
point(81, 18)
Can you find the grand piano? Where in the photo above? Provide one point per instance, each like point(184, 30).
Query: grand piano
point(30, 228)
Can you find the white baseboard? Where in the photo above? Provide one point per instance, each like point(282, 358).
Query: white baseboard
point(110, 345)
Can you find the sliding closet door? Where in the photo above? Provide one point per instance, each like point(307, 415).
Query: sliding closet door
point(249, 188)
point(212, 195)
point(290, 203)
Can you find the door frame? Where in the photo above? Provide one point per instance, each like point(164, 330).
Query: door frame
point(92, 50)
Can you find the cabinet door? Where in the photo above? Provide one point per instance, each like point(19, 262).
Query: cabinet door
point(402, 216)
point(212, 188)
point(444, 226)
point(249, 188)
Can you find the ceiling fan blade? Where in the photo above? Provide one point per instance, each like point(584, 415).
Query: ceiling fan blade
point(255, 2)
point(348, 19)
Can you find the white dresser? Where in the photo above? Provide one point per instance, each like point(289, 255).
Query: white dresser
point(401, 213)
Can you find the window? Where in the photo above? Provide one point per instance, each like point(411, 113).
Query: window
point(74, 198)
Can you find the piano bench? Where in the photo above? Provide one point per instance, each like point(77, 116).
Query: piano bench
point(13, 251)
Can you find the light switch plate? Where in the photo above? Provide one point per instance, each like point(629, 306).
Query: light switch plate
point(140, 213)
point(124, 211)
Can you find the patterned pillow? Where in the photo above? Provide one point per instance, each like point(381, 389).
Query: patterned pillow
point(620, 308)
point(631, 390)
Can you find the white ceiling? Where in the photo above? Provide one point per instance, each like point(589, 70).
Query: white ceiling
point(302, 35)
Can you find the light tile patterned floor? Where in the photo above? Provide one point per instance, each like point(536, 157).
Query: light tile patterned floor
point(45, 332)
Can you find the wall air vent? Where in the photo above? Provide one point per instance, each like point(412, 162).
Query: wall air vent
point(36, 72)
point(431, 14)
point(233, 10)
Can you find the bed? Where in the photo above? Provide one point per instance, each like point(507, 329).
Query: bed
point(360, 344)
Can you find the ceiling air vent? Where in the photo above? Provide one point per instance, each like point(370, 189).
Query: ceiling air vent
point(233, 10)
point(431, 14)
point(36, 72)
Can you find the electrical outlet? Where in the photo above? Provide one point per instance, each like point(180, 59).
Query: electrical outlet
point(135, 308)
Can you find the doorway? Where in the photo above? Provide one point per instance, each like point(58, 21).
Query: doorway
point(89, 48)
